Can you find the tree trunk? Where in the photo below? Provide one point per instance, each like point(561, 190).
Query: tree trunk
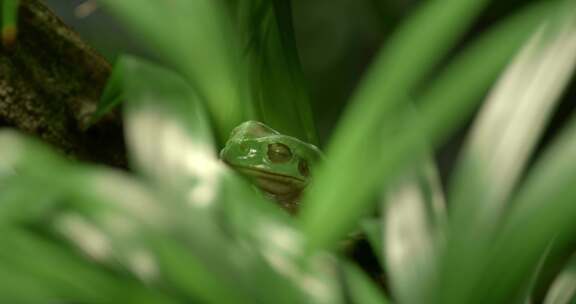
point(50, 81)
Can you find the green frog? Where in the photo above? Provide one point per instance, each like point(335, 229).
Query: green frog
point(280, 165)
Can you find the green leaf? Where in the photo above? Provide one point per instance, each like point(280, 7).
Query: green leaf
point(196, 39)
point(477, 202)
point(67, 277)
point(17, 288)
point(513, 118)
point(390, 135)
point(413, 222)
point(199, 279)
point(168, 134)
point(543, 211)
point(170, 140)
point(361, 289)
point(372, 228)
point(563, 290)
point(9, 24)
point(277, 81)
point(111, 96)
point(119, 222)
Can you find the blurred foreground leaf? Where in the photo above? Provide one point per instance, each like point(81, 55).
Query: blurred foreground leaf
point(478, 191)
point(413, 223)
point(402, 135)
point(563, 290)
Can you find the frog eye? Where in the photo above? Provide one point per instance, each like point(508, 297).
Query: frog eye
point(303, 168)
point(279, 153)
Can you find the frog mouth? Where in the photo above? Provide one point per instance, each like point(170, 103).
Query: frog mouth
point(265, 175)
point(273, 183)
point(272, 176)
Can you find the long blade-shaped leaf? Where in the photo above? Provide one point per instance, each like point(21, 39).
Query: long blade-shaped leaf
point(516, 112)
point(455, 92)
point(277, 80)
point(116, 221)
point(563, 290)
point(195, 38)
point(67, 276)
point(360, 288)
point(544, 211)
point(478, 188)
point(168, 134)
point(397, 71)
point(111, 96)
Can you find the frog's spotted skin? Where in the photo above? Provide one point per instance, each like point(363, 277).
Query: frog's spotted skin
point(279, 165)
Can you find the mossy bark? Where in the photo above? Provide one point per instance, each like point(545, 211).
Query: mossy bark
point(50, 81)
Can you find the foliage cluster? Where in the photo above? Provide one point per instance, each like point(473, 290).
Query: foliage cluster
point(183, 227)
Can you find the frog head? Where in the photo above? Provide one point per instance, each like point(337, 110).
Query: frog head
point(280, 165)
